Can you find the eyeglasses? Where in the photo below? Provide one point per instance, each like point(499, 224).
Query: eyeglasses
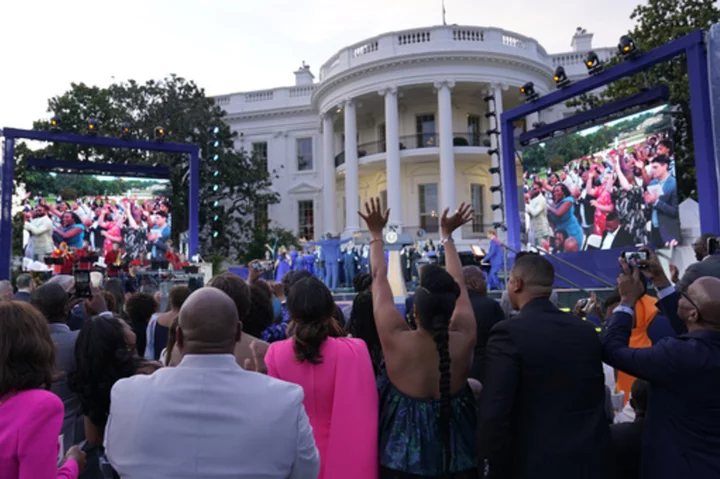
point(692, 303)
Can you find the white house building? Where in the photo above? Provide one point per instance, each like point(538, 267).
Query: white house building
point(402, 116)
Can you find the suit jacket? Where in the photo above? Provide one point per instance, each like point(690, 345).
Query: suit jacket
point(22, 296)
point(41, 230)
point(209, 418)
point(542, 408)
point(623, 239)
point(488, 312)
point(627, 448)
point(668, 212)
point(64, 340)
point(682, 426)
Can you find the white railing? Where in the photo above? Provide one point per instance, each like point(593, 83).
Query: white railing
point(299, 91)
point(255, 96)
point(439, 40)
point(222, 100)
point(573, 58)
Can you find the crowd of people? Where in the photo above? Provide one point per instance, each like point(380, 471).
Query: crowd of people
point(263, 379)
point(620, 198)
point(122, 233)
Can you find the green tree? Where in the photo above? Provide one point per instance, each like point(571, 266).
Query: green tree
point(188, 116)
point(658, 22)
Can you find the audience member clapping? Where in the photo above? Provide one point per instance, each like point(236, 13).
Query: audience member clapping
point(31, 417)
point(682, 429)
point(425, 404)
point(208, 417)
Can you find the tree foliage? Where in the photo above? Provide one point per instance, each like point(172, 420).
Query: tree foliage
point(658, 22)
point(188, 116)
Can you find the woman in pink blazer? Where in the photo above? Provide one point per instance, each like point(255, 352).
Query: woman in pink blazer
point(30, 416)
point(336, 373)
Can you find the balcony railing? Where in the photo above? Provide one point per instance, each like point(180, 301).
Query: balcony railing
point(416, 141)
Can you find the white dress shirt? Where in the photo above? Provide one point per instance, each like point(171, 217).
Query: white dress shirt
point(208, 418)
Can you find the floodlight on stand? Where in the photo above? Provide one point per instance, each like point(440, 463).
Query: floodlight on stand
point(494, 170)
point(592, 62)
point(92, 126)
point(159, 133)
point(55, 122)
point(125, 130)
point(560, 77)
point(528, 90)
point(495, 189)
point(627, 47)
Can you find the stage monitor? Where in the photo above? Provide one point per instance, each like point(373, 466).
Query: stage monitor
point(119, 219)
point(609, 186)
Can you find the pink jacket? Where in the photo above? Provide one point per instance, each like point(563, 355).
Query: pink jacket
point(30, 423)
point(341, 400)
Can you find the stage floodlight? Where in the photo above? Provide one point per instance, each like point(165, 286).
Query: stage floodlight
point(55, 123)
point(216, 173)
point(159, 133)
point(494, 170)
point(593, 63)
point(92, 127)
point(216, 130)
point(528, 90)
point(215, 234)
point(560, 77)
point(627, 47)
point(216, 204)
point(495, 189)
point(216, 157)
point(216, 143)
point(125, 130)
point(215, 187)
point(496, 207)
point(494, 151)
point(216, 217)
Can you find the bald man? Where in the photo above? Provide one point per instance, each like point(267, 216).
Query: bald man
point(542, 408)
point(682, 429)
point(488, 312)
point(208, 418)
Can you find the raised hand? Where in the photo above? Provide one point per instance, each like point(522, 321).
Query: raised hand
point(462, 215)
point(374, 218)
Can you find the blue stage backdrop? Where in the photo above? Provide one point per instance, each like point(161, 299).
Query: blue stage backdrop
point(603, 262)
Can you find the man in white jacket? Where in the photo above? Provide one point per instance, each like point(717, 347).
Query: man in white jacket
point(40, 229)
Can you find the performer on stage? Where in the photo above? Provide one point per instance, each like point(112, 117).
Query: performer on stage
point(282, 264)
point(331, 250)
point(40, 229)
point(495, 259)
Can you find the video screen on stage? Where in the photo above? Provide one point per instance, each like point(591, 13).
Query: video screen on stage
point(120, 220)
point(609, 186)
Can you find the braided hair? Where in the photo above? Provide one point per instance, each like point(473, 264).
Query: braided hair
point(435, 302)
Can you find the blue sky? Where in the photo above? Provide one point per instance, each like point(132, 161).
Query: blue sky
point(236, 45)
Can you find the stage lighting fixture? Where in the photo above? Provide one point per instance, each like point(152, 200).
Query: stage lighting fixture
point(496, 207)
point(159, 133)
point(92, 126)
point(216, 204)
point(494, 170)
point(216, 173)
point(216, 217)
point(495, 189)
point(215, 234)
point(494, 151)
point(592, 62)
point(55, 123)
point(125, 130)
point(215, 187)
point(216, 130)
point(560, 77)
point(216, 157)
point(216, 143)
point(627, 47)
point(528, 90)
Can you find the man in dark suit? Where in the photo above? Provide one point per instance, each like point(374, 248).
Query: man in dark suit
point(53, 302)
point(25, 285)
point(682, 429)
point(615, 236)
point(487, 311)
point(542, 410)
point(627, 436)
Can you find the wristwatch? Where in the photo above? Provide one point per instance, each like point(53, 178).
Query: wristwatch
point(445, 240)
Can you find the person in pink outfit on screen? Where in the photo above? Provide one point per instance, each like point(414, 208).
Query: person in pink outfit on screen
point(30, 416)
point(336, 374)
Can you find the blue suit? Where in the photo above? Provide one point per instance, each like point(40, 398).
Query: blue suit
point(349, 267)
point(495, 259)
point(296, 261)
point(309, 262)
point(331, 251)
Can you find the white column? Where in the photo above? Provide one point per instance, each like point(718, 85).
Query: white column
point(352, 204)
point(495, 160)
point(392, 159)
point(447, 157)
point(329, 195)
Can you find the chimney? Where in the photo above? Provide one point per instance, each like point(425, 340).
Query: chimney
point(582, 40)
point(303, 76)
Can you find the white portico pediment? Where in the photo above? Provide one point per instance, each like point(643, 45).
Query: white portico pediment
point(304, 188)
